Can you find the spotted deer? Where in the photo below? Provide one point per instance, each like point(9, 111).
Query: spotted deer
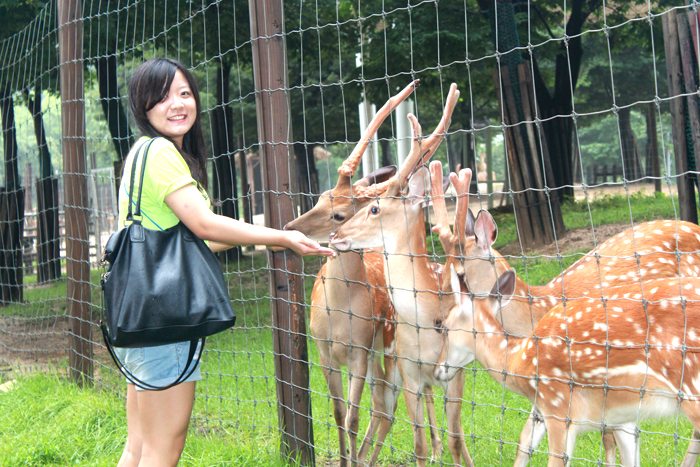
point(395, 222)
point(603, 362)
point(351, 317)
point(655, 249)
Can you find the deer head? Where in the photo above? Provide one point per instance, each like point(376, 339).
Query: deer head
point(339, 204)
point(459, 342)
point(405, 194)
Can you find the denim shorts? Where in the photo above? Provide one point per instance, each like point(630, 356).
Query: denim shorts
point(160, 365)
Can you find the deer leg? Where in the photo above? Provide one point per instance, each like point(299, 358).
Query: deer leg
point(356, 383)
point(412, 397)
point(335, 387)
point(390, 392)
point(453, 410)
point(627, 444)
point(562, 440)
point(691, 455)
point(435, 441)
point(609, 448)
point(376, 381)
point(531, 436)
point(692, 411)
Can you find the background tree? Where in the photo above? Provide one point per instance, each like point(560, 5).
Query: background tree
point(616, 76)
point(321, 50)
point(557, 61)
point(15, 25)
point(436, 43)
point(106, 37)
point(41, 56)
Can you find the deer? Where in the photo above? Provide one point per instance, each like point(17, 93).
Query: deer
point(654, 249)
point(351, 317)
point(600, 362)
point(394, 221)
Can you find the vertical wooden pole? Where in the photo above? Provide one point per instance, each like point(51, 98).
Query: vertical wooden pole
point(653, 146)
point(489, 166)
point(286, 287)
point(70, 40)
point(686, 190)
point(687, 60)
point(246, 193)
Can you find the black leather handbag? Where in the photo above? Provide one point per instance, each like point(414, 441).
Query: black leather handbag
point(160, 287)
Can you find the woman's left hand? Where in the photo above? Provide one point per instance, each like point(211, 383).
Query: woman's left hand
point(301, 244)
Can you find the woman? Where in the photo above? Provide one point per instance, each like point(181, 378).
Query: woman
point(165, 103)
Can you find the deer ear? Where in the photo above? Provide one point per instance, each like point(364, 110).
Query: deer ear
point(454, 283)
point(378, 176)
point(485, 229)
point(419, 185)
point(469, 226)
point(504, 287)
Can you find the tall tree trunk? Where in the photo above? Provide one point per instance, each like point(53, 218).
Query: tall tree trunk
point(454, 152)
point(630, 155)
point(307, 175)
point(385, 146)
point(9, 136)
point(48, 239)
point(225, 146)
point(119, 129)
point(559, 130)
point(34, 106)
point(11, 208)
point(652, 162)
point(47, 232)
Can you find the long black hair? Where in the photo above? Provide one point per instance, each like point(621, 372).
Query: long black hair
point(148, 86)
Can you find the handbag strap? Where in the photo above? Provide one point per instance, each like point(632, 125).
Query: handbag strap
point(142, 384)
point(147, 146)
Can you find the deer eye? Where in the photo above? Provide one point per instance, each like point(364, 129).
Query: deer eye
point(374, 209)
point(338, 217)
point(439, 325)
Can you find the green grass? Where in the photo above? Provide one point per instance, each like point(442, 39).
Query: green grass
point(47, 421)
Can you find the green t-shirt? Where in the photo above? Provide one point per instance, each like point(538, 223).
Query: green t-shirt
point(166, 171)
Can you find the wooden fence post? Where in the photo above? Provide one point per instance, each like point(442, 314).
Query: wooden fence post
point(286, 281)
point(70, 40)
point(686, 190)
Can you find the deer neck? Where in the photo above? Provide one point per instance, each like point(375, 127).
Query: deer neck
point(496, 350)
point(413, 282)
point(528, 306)
point(346, 264)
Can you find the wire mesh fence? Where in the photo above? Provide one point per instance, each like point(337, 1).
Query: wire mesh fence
point(579, 122)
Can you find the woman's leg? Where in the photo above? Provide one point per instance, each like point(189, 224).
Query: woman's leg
point(132, 451)
point(163, 419)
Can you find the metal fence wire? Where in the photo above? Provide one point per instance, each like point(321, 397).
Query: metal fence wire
point(413, 346)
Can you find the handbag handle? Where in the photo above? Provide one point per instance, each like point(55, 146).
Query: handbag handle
point(144, 385)
point(129, 215)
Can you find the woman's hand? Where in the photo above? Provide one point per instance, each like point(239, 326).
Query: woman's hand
point(301, 244)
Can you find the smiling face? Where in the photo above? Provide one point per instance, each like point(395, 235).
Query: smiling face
point(176, 113)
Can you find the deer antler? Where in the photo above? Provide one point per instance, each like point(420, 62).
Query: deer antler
point(442, 226)
point(424, 150)
point(452, 243)
point(350, 165)
point(461, 184)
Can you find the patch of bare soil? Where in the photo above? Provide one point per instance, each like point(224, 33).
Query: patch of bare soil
point(571, 241)
point(32, 342)
point(38, 344)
